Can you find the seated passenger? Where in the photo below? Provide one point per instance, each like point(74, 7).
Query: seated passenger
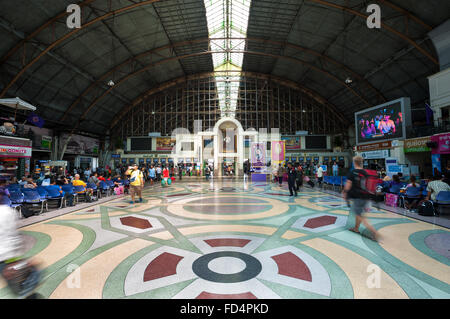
point(78, 182)
point(412, 203)
point(395, 181)
point(30, 184)
point(436, 186)
point(46, 181)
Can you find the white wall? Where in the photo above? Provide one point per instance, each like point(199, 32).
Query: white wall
point(439, 92)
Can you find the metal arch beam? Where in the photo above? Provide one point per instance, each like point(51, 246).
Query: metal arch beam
point(407, 13)
point(68, 35)
point(39, 30)
point(196, 41)
point(385, 26)
point(124, 79)
point(262, 76)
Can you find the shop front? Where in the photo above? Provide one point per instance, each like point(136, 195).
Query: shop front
point(418, 156)
point(440, 153)
point(375, 154)
point(15, 155)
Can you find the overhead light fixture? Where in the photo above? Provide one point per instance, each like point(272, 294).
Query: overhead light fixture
point(111, 83)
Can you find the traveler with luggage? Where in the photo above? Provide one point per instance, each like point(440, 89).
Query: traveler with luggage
point(292, 174)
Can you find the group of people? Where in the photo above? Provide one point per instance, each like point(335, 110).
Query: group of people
point(296, 175)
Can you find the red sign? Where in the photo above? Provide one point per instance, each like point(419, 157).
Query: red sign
point(443, 142)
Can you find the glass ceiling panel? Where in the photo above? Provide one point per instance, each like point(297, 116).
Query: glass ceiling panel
point(227, 23)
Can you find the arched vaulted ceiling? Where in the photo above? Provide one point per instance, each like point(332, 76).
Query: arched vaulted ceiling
point(143, 44)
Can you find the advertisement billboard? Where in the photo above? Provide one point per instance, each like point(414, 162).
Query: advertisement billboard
point(384, 122)
point(80, 144)
point(277, 151)
point(258, 152)
point(165, 143)
point(291, 142)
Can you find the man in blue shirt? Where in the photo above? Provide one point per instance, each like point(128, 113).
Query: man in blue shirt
point(152, 174)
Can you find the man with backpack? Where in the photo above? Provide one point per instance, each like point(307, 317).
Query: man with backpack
point(356, 190)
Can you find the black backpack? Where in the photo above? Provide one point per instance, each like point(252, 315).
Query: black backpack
point(427, 209)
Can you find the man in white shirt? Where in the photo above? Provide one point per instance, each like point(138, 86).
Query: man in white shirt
point(320, 175)
point(158, 173)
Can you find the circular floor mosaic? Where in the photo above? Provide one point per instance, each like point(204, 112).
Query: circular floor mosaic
point(247, 241)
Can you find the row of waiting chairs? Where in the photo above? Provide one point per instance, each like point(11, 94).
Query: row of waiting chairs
point(42, 195)
point(334, 181)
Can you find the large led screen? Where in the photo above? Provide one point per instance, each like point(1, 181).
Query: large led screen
point(383, 122)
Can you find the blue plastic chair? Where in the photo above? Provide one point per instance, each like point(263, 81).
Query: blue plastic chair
point(442, 199)
point(32, 197)
point(80, 191)
point(53, 194)
point(70, 189)
point(94, 187)
point(104, 188)
point(42, 192)
point(395, 189)
point(16, 196)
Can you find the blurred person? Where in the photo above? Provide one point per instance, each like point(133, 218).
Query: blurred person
point(280, 173)
point(23, 181)
point(158, 173)
point(180, 172)
point(299, 177)
point(13, 266)
point(93, 179)
point(360, 201)
point(166, 174)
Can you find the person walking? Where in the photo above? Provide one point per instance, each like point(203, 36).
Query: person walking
point(13, 266)
point(136, 183)
point(158, 173)
point(299, 177)
point(353, 190)
point(152, 174)
point(280, 173)
point(320, 175)
point(207, 172)
point(292, 174)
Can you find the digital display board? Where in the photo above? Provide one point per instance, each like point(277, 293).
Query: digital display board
point(316, 142)
point(141, 144)
point(384, 122)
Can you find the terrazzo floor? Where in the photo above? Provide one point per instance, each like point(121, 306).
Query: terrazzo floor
point(235, 239)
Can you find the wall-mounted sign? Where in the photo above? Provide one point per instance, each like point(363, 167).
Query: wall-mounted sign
point(375, 154)
point(417, 145)
point(14, 151)
point(443, 142)
point(374, 146)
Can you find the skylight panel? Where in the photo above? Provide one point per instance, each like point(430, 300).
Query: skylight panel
point(227, 28)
